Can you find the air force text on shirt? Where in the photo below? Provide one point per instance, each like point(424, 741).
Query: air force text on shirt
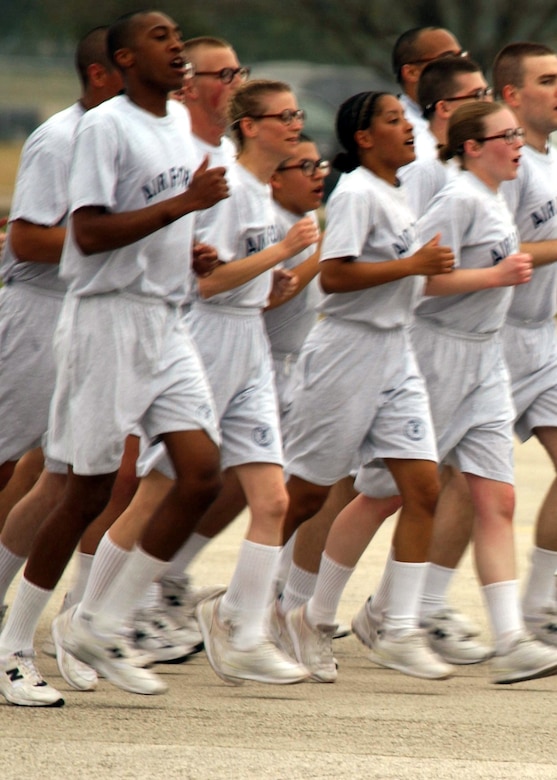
point(506, 247)
point(405, 241)
point(256, 242)
point(173, 178)
point(543, 214)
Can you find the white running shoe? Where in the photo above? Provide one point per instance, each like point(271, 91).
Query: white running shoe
point(447, 639)
point(21, 682)
point(264, 663)
point(365, 625)
point(543, 626)
point(109, 655)
point(278, 630)
point(313, 645)
point(154, 632)
point(410, 654)
point(180, 600)
point(75, 673)
point(527, 659)
point(342, 630)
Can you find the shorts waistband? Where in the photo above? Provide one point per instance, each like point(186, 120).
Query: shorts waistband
point(226, 311)
point(457, 334)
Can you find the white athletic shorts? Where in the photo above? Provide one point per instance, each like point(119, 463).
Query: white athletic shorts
point(28, 317)
point(358, 397)
point(235, 350)
point(531, 356)
point(123, 361)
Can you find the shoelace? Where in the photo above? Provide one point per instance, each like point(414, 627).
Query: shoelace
point(31, 672)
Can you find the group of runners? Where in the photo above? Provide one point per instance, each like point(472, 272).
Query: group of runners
point(169, 357)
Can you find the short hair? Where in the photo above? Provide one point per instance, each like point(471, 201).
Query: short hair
point(92, 48)
point(249, 101)
point(356, 113)
point(407, 50)
point(467, 122)
point(121, 32)
point(508, 66)
point(438, 80)
point(205, 40)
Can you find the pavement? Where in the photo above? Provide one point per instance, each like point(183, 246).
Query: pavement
point(372, 723)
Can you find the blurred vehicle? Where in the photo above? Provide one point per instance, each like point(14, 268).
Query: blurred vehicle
point(320, 90)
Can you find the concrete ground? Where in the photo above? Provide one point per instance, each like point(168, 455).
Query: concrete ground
point(372, 723)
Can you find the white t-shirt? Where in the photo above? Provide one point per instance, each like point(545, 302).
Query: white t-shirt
point(371, 221)
point(288, 324)
point(126, 159)
point(478, 226)
point(241, 225)
point(41, 193)
point(532, 198)
point(425, 178)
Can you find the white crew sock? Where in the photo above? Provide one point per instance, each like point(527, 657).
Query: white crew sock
point(186, 554)
point(437, 581)
point(151, 598)
point(284, 564)
point(249, 594)
point(127, 590)
point(540, 587)
point(331, 581)
point(108, 562)
point(10, 564)
point(84, 563)
point(504, 613)
point(407, 581)
point(23, 617)
point(299, 588)
point(380, 598)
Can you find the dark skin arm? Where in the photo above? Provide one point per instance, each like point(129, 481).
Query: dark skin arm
point(98, 230)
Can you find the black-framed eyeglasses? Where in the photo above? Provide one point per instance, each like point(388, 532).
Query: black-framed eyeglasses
point(479, 94)
point(309, 167)
point(426, 60)
point(509, 136)
point(286, 117)
point(226, 75)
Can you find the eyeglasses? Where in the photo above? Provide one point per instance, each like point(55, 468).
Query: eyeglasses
point(286, 117)
point(425, 60)
point(226, 75)
point(509, 136)
point(479, 94)
point(309, 167)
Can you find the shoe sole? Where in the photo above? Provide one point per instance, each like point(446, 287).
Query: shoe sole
point(547, 671)
point(58, 703)
point(409, 671)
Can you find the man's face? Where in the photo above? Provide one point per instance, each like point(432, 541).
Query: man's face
point(466, 88)
point(210, 91)
point(536, 100)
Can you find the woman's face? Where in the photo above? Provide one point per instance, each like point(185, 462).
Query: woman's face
point(499, 157)
point(278, 128)
point(391, 135)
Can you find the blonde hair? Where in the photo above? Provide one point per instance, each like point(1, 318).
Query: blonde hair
point(249, 100)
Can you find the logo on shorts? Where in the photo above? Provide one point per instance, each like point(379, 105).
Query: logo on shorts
point(263, 436)
point(415, 429)
point(205, 412)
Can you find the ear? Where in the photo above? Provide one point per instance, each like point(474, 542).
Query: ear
point(511, 95)
point(125, 58)
point(276, 182)
point(443, 110)
point(410, 72)
point(249, 127)
point(189, 90)
point(472, 147)
point(364, 139)
point(96, 74)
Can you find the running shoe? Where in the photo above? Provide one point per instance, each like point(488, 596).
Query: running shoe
point(527, 659)
point(21, 682)
point(313, 645)
point(410, 654)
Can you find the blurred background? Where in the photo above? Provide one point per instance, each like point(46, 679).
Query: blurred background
point(326, 49)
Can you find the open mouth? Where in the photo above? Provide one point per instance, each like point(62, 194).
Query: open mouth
point(178, 64)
